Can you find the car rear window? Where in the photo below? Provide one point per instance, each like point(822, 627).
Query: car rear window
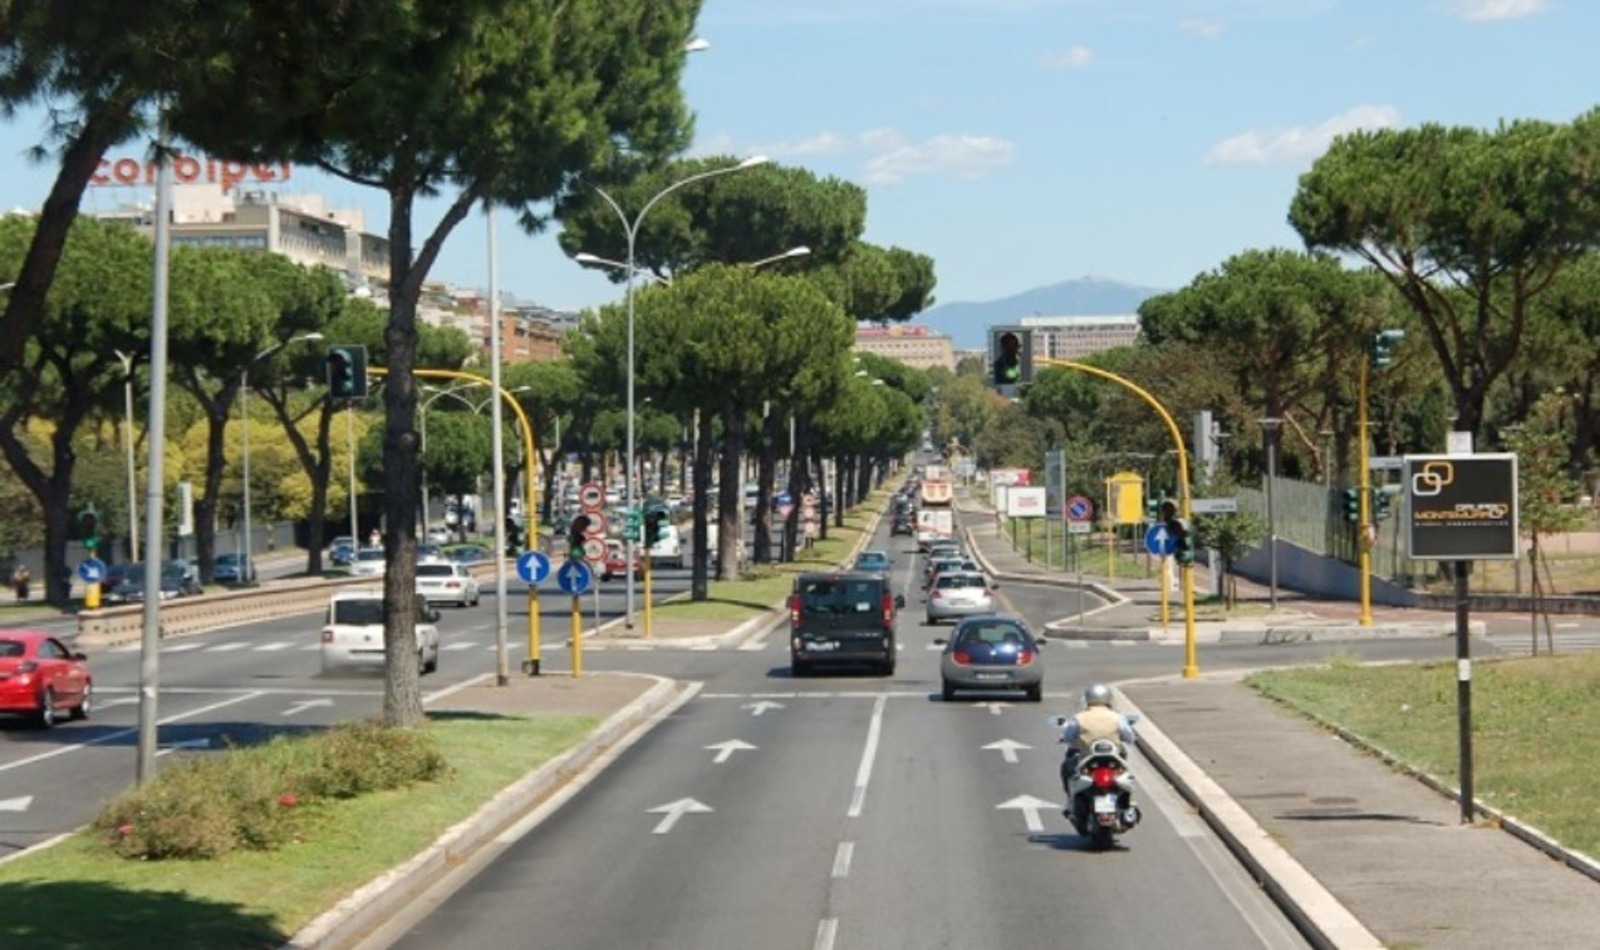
point(993, 633)
point(961, 580)
point(840, 596)
point(358, 613)
point(435, 570)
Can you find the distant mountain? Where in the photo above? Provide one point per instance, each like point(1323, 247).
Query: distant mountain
point(966, 323)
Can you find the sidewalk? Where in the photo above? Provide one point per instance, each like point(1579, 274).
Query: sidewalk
point(1359, 854)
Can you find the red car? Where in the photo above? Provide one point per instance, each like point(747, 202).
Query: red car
point(41, 679)
point(616, 562)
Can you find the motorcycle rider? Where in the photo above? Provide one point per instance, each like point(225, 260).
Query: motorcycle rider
point(1096, 720)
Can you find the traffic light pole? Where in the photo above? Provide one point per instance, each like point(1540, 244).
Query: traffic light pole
point(1365, 481)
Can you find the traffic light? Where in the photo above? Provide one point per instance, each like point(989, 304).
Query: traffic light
point(1152, 509)
point(347, 371)
point(577, 533)
point(1380, 505)
point(513, 534)
point(630, 525)
point(1010, 356)
point(653, 534)
point(1384, 343)
point(1183, 544)
point(89, 527)
point(1352, 505)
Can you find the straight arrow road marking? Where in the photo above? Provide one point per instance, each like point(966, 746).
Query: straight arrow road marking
point(1030, 808)
point(16, 804)
point(725, 750)
point(1008, 749)
point(296, 709)
point(758, 708)
point(675, 810)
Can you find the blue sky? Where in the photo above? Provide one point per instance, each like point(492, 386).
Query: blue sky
point(1025, 142)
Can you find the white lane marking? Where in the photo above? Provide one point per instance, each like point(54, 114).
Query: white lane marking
point(456, 647)
point(1030, 808)
point(181, 647)
point(274, 647)
point(20, 804)
point(121, 734)
point(1008, 749)
point(228, 647)
point(296, 709)
point(675, 810)
point(827, 930)
point(841, 859)
point(725, 750)
point(864, 771)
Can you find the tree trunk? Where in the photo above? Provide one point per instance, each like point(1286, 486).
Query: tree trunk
point(766, 474)
point(699, 588)
point(730, 533)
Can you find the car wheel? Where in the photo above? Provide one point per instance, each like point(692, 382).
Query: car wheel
point(433, 662)
point(1035, 693)
point(887, 669)
point(47, 709)
point(82, 710)
point(948, 693)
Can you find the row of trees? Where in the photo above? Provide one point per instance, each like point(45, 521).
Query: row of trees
point(1484, 246)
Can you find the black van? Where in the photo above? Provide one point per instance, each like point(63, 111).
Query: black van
point(843, 618)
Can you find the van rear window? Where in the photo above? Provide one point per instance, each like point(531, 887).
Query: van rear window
point(358, 613)
point(838, 596)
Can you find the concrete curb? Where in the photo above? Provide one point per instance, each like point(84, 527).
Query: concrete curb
point(1318, 915)
point(349, 921)
point(759, 624)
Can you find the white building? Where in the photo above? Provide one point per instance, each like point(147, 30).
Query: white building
point(1070, 338)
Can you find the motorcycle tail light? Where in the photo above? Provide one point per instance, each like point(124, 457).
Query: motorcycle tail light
point(1103, 776)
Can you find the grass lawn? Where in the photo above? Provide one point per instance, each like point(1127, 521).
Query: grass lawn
point(78, 895)
point(1535, 728)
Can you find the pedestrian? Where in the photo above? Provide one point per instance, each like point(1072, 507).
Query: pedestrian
point(21, 580)
point(375, 538)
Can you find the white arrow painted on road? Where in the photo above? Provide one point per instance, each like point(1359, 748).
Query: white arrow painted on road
point(994, 708)
point(1008, 749)
point(725, 750)
point(296, 709)
point(16, 804)
point(1030, 808)
point(757, 709)
point(675, 810)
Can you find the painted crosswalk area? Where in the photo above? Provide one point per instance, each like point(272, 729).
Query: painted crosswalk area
point(1563, 637)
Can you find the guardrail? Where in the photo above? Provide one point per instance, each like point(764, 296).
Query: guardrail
point(110, 626)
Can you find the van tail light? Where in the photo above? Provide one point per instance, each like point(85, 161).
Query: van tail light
point(327, 634)
point(888, 610)
point(794, 609)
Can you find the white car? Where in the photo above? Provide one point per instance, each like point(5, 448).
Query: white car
point(446, 582)
point(352, 634)
point(369, 562)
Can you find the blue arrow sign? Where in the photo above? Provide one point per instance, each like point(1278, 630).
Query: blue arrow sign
point(1159, 541)
point(533, 567)
point(575, 577)
point(1079, 508)
point(91, 570)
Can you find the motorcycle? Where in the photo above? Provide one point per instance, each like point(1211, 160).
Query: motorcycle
point(1101, 793)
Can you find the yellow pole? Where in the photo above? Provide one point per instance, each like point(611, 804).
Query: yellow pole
point(1365, 479)
point(91, 596)
point(1191, 668)
point(577, 636)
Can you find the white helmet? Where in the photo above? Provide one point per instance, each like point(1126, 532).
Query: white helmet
point(1097, 695)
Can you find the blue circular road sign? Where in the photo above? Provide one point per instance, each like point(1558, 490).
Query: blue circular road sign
point(1159, 541)
point(575, 577)
point(91, 570)
point(533, 566)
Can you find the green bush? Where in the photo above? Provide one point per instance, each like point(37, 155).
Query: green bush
point(253, 798)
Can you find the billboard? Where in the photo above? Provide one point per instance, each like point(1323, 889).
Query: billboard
point(1461, 507)
point(1024, 502)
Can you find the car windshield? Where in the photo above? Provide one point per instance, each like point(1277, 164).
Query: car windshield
point(435, 570)
point(370, 554)
point(362, 612)
point(872, 559)
point(839, 596)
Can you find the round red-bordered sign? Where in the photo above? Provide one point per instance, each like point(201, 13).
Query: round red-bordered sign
point(594, 550)
point(597, 525)
point(591, 496)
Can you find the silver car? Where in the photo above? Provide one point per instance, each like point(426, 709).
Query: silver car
point(956, 594)
point(993, 652)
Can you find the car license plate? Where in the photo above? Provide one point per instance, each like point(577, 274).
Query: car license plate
point(992, 676)
point(821, 646)
point(1105, 804)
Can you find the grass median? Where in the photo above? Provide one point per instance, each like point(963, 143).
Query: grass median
point(1535, 728)
point(80, 895)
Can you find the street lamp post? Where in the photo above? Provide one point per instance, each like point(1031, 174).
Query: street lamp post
point(1271, 425)
point(473, 407)
point(246, 566)
point(631, 229)
point(127, 440)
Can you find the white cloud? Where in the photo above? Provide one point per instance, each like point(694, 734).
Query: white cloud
point(1205, 29)
point(961, 156)
point(1483, 11)
point(882, 140)
point(1073, 57)
point(823, 143)
point(1275, 146)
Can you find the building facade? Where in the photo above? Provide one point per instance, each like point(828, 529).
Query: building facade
point(1071, 338)
point(915, 346)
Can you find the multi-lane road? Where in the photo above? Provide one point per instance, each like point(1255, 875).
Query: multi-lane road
point(845, 811)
